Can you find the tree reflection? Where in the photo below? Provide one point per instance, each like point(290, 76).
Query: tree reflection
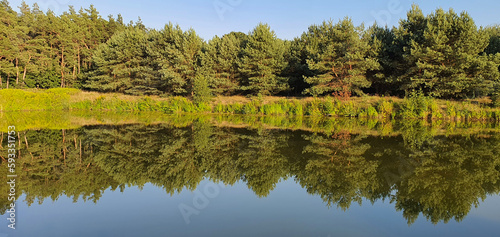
point(337, 170)
point(440, 177)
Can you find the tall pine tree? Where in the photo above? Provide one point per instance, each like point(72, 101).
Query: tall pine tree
point(338, 56)
point(176, 54)
point(441, 55)
point(263, 63)
point(223, 56)
point(122, 66)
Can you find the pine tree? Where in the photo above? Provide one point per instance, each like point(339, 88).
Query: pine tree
point(29, 44)
point(297, 69)
point(338, 56)
point(493, 33)
point(263, 63)
point(441, 55)
point(8, 50)
point(222, 56)
point(176, 55)
point(493, 52)
point(122, 66)
point(384, 79)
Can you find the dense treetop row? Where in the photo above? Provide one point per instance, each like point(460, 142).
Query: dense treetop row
point(443, 54)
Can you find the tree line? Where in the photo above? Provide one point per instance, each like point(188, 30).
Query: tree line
point(442, 54)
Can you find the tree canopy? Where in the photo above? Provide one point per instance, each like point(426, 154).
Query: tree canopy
point(443, 54)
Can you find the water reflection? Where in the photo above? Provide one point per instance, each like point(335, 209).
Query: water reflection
point(441, 176)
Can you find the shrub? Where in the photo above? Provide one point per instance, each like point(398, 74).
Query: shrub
point(386, 108)
point(218, 108)
point(297, 108)
point(348, 110)
point(371, 112)
point(251, 108)
point(312, 108)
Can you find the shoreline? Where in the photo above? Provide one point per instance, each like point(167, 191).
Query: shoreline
point(374, 107)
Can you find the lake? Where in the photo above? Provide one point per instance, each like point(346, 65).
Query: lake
point(147, 175)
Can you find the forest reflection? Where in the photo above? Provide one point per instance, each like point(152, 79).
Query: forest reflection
point(439, 176)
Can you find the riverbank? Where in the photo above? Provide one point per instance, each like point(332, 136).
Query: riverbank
point(67, 120)
point(415, 107)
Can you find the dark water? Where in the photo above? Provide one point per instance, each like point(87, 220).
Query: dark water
point(198, 179)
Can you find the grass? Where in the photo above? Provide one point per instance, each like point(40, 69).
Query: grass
point(366, 126)
point(415, 106)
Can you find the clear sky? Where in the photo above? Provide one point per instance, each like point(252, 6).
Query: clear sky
point(287, 18)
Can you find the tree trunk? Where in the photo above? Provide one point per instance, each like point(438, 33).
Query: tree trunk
point(79, 59)
point(19, 139)
point(62, 67)
point(24, 73)
point(25, 67)
point(17, 71)
point(80, 151)
point(26, 141)
point(64, 146)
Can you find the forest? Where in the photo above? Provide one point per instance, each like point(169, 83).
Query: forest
point(443, 54)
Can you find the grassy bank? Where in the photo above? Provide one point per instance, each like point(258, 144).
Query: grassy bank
point(57, 120)
point(413, 107)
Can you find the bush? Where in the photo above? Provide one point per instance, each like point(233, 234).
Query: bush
point(204, 107)
point(348, 110)
point(251, 108)
point(178, 105)
point(297, 108)
point(313, 108)
point(415, 106)
point(385, 108)
point(371, 112)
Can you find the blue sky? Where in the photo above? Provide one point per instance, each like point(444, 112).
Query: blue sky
point(287, 18)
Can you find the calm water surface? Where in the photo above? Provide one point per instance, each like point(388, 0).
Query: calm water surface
point(201, 179)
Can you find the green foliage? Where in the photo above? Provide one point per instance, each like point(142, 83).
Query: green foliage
point(178, 105)
point(202, 93)
point(348, 110)
point(263, 62)
point(273, 109)
point(45, 80)
point(42, 50)
point(296, 108)
point(122, 66)
point(252, 107)
point(495, 98)
point(20, 100)
point(221, 58)
point(371, 112)
point(442, 55)
point(386, 108)
point(175, 54)
point(313, 108)
point(338, 56)
point(494, 38)
point(416, 105)
point(440, 178)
